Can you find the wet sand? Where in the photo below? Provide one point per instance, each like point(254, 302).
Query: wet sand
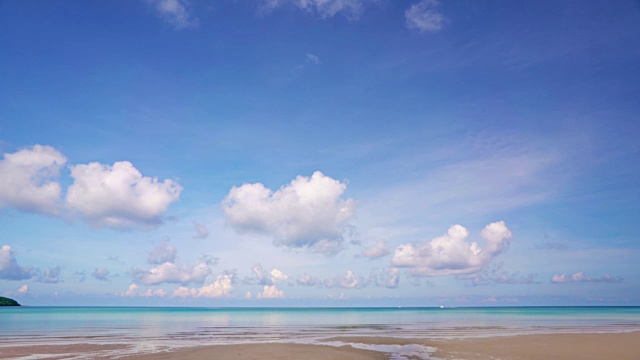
point(619, 346)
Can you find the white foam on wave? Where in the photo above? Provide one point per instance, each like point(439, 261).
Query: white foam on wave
point(395, 352)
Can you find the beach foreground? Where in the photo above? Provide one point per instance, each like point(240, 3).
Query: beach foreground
point(620, 346)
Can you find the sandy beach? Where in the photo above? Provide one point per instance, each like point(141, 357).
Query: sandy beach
point(619, 346)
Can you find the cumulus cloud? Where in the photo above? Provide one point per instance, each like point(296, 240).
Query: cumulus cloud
point(201, 231)
point(101, 274)
point(166, 268)
point(9, 268)
point(424, 16)
point(28, 180)
point(132, 291)
point(349, 280)
point(169, 272)
point(174, 12)
point(270, 292)
point(308, 212)
point(376, 251)
point(262, 277)
point(119, 196)
point(581, 277)
point(351, 9)
point(222, 287)
point(451, 254)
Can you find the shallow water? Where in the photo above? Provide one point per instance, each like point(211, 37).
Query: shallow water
point(156, 329)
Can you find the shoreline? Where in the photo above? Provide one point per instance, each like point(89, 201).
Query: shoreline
point(559, 346)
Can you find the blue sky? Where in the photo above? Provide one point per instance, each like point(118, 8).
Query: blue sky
point(320, 153)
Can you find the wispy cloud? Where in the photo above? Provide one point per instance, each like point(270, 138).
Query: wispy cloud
point(174, 12)
point(22, 290)
point(101, 274)
point(581, 277)
point(494, 274)
point(201, 231)
point(51, 275)
point(350, 9)
point(425, 17)
point(376, 251)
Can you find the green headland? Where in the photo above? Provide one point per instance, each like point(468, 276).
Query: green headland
point(8, 302)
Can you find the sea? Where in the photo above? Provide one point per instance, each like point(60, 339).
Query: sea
point(149, 330)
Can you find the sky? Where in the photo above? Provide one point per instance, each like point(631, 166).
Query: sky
point(320, 153)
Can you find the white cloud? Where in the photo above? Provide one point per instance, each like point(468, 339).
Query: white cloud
point(51, 276)
point(158, 293)
point(308, 212)
point(348, 281)
point(101, 274)
point(581, 277)
point(260, 274)
point(451, 254)
point(201, 231)
point(278, 276)
point(174, 12)
point(308, 280)
point(313, 59)
point(424, 16)
point(265, 278)
point(270, 292)
point(119, 196)
point(162, 253)
point(351, 9)
point(132, 291)
point(9, 268)
point(22, 290)
point(169, 272)
point(222, 287)
point(27, 182)
point(376, 251)
point(392, 278)
point(247, 295)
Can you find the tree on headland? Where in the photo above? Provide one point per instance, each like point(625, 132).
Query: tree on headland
point(8, 302)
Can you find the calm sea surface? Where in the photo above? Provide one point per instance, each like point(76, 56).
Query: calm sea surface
point(155, 328)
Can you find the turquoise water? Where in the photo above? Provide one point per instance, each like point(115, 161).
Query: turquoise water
point(155, 328)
